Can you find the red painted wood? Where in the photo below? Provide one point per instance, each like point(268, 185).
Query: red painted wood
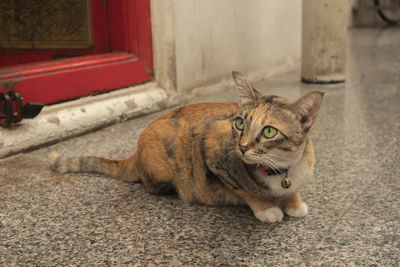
point(9, 57)
point(128, 29)
point(72, 81)
point(63, 64)
point(143, 33)
point(121, 25)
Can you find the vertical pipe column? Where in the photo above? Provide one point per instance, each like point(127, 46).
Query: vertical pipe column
point(324, 41)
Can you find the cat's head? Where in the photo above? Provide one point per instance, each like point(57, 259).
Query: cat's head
point(271, 130)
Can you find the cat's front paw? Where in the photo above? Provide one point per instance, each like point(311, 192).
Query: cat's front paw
point(299, 211)
point(273, 214)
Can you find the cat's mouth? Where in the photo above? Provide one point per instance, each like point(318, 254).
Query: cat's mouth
point(268, 171)
point(265, 169)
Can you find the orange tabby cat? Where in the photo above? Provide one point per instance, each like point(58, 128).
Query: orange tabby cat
point(257, 152)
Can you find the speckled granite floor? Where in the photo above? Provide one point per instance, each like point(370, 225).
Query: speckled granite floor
point(48, 219)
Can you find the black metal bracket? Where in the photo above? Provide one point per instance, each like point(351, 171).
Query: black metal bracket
point(12, 111)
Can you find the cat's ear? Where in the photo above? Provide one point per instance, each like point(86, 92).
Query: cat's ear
point(246, 91)
point(307, 108)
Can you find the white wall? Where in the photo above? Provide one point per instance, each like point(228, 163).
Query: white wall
point(212, 38)
point(199, 42)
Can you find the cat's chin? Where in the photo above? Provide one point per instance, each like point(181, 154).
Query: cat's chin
point(252, 167)
point(254, 163)
point(251, 164)
point(248, 160)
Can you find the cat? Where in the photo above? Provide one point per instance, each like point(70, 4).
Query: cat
point(256, 152)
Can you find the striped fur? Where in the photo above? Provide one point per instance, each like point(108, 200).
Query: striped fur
point(194, 151)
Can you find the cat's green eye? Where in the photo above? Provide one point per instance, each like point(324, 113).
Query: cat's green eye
point(269, 132)
point(239, 123)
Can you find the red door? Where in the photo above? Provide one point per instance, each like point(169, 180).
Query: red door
point(55, 50)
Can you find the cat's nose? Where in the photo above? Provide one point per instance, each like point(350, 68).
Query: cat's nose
point(243, 148)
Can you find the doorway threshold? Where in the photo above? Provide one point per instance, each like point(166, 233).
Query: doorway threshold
point(77, 117)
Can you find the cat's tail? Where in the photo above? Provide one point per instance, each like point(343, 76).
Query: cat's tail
point(119, 169)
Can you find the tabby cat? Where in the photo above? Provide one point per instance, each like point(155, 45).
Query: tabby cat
point(257, 152)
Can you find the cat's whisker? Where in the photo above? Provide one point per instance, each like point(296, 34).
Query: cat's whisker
point(278, 157)
point(271, 163)
point(233, 150)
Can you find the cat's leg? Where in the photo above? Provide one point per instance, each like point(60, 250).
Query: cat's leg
point(294, 206)
point(155, 175)
point(155, 187)
point(263, 209)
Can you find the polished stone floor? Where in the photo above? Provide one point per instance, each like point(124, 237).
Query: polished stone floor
point(49, 219)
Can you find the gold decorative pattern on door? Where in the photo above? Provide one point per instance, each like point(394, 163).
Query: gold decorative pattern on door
point(45, 24)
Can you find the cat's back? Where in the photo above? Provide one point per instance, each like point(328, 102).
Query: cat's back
point(179, 128)
point(185, 122)
point(201, 111)
point(193, 116)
